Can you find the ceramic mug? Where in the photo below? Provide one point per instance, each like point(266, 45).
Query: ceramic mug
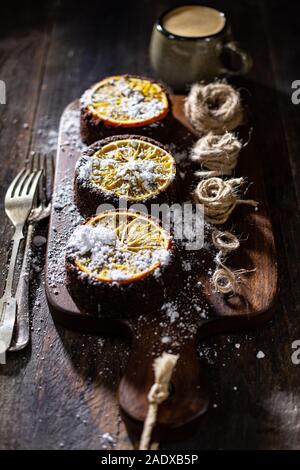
point(180, 60)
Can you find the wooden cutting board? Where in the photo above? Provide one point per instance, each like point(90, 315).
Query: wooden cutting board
point(196, 311)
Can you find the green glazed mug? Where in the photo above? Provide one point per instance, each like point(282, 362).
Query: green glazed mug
point(194, 43)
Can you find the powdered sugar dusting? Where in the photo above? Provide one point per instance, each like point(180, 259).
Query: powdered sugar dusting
point(133, 168)
point(71, 131)
point(62, 200)
point(182, 312)
point(114, 255)
point(125, 99)
point(65, 209)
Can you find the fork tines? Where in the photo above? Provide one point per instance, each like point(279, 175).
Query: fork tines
point(45, 162)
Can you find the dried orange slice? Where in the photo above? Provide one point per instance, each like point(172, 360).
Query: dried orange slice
point(120, 246)
point(132, 168)
point(128, 101)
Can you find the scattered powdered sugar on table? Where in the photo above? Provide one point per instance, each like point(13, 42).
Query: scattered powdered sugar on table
point(260, 355)
point(71, 129)
point(65, 210)
point(209, 354)
point(47, 142)
point(62, 202)
point(45, 137)
point(186, 264)
point(180, 155)
point(182, 315)
point(63, 196)
point(107, 440)
point(170, 309)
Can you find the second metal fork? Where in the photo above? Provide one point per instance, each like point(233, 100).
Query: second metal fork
point(21, 334)
point(18, 203)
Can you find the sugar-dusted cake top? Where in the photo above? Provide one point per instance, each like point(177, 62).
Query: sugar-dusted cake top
point(126, 101)
point(131, 168)
point(120, 246)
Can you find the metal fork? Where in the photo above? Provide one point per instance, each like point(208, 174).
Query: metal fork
point(21, 333)
point(18, 203)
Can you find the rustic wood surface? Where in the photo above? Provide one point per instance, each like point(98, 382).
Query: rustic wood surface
point(252, 307)
point(60, 393)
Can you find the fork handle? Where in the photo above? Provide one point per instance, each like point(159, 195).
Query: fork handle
point(21, 332)
point(8, 314)
point(18, 236)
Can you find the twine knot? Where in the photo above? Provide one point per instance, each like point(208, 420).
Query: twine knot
point(214, 107)
point(163, 368)
point(219, 198)
point(225, 241)
point(216, 153)
point(158, 393)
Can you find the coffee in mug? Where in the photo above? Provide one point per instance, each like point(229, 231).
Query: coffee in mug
point(189, 43)
point(194, 21)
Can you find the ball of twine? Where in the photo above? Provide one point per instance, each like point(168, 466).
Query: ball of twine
point(219, 198)
point(218, 154)
point(214, 107)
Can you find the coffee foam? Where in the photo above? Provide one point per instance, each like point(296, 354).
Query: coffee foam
point(194, 21)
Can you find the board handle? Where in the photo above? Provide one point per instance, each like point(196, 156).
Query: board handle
point(188, 400)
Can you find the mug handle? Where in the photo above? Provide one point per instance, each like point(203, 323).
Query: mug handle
point(246, 60)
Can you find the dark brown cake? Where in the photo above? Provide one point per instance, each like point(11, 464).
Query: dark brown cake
point(120, 263)
point(130, 167)
point(124, 104)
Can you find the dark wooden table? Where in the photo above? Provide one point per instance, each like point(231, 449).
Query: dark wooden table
point(61, 391)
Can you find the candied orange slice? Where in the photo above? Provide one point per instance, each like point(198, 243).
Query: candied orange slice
point(128, 246)
point(133, 169)
point(128, 101)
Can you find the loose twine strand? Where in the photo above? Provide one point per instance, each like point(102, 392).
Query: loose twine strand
point(217, 154)
point(219, 198)
point(163, 368)
point(225, 241)
point(225, 280)
point(214, 107)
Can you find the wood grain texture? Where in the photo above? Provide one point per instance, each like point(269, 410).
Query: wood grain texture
point(257, 401)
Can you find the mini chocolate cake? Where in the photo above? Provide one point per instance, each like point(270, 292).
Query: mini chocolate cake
point(120, 262)
point(124, 104)
point(132, 168)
